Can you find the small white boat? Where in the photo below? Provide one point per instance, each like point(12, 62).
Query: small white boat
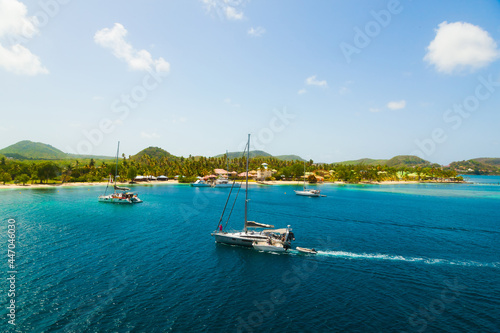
point(306, 250)
point(200, 183)
point(225, 183)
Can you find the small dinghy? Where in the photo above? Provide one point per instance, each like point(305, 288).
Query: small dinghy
point(306, 250)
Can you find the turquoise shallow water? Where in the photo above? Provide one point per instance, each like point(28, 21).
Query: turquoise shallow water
point(392, 258)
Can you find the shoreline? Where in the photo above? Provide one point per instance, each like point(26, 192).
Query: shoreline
point(252, 183)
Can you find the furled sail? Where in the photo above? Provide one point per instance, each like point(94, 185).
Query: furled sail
point(121, 188)
point(254, 224)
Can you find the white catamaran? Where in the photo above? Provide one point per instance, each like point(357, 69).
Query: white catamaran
point(121, 194)
point(277, 240)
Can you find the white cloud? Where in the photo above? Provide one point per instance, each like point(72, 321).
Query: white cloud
point(301, 91)
point(225, 8)
point(153, 135)
point(397, 105)
point(312, 81)
point(114, 39)
point(459, 46)
point(256, 32)
point(233, 14)
point(374, 110)
point(13, 19)
point(15, 25)
point(19, 60)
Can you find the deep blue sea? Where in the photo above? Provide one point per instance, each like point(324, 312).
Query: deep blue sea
point(392, 258)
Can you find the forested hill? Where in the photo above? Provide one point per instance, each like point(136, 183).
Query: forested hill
point(396, 161)
point(262, 154)
point(28, 150)
point(478, 166)
point(154, 153)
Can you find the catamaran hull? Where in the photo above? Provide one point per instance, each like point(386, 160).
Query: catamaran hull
point(307, 194)
point(108, 199)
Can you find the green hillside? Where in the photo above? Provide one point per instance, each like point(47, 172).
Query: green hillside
point(239, 154)
point(407, 160)
point(28, 150)
point(477, 166)
point(154, 153)
point(396, 161)
point(260, 153)
point(366, 161)
point(488, 161)
point(289, 158)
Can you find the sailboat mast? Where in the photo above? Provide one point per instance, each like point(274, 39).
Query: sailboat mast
point(304, 175)
point(116, 168)
point(246, 184)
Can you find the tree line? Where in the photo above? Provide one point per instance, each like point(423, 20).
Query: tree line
point(90, 170)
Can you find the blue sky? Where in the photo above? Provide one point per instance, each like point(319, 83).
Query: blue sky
point(327, 80)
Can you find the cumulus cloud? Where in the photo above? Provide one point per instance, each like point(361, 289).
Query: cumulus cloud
point(19, 60)
point(256, 32)
point(114, 39)
point(233, 14)
point(374, 110)
point(397, 105)
point(459, 46)
point(312, 81)
point(301, 91)
point(225, 8)
point(15, 25)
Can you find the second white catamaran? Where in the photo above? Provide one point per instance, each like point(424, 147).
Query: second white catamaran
point(121, 194)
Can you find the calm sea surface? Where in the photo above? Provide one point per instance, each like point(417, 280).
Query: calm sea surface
point(392, 258)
